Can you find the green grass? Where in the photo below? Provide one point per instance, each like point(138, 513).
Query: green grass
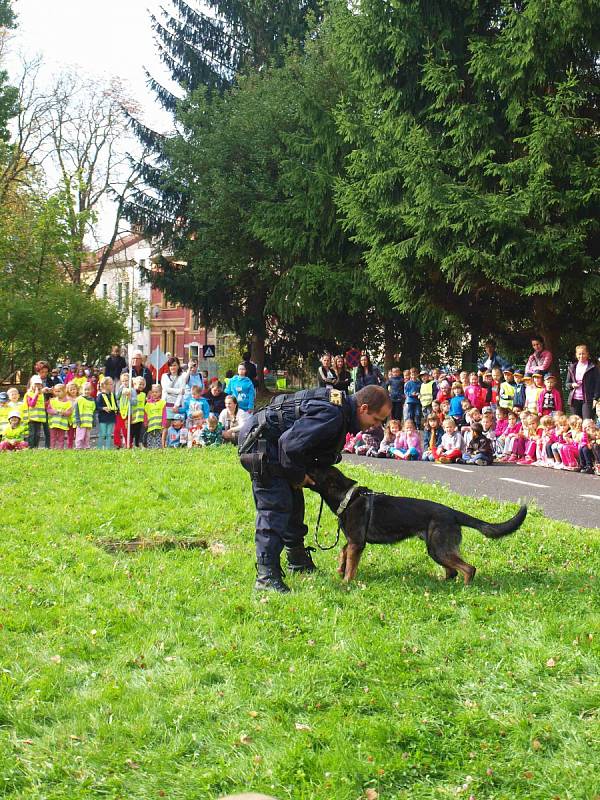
point(161, 674)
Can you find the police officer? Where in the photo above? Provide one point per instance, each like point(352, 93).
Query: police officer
point(278, 445)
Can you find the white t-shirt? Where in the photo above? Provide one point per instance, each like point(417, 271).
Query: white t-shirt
point(233, 425)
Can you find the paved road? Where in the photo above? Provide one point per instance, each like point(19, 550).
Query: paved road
point(568, 496)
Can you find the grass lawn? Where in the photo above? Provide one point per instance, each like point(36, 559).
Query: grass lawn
point(160, 674)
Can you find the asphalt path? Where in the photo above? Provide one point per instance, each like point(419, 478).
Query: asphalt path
point(568, 496)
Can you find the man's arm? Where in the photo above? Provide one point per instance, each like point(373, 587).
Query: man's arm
point(320, 426)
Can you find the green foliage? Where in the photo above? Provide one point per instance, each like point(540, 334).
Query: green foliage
point(8, 94)
point(161, 673)
point(473, 178)
point(44, 316)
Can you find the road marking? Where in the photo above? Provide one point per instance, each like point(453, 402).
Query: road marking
point(591, 496)
point(526, 483)
point(456, 469)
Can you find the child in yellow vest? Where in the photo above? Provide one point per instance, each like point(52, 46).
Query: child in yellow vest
point(16, 404)
point(36, 407)
point(106, 406)
point(4, 409)
point(155, 410)
point(14, 434)
point(84, 412)
point(72, 395)
point(137, 412)
point(59, 411)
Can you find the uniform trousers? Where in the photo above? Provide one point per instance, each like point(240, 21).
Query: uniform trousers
point(279, 518)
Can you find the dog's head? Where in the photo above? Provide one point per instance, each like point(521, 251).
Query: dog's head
point(329, 480)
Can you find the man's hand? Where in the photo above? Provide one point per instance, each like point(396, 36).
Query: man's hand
point(308, 481)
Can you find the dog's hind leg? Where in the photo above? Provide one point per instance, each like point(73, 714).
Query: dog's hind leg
point(342, 560)
point(353, 555)
point(442, 546)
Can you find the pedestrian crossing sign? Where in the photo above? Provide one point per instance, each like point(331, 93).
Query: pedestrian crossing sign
point(208, 351)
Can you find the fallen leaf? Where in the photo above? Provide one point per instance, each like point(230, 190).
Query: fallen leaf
point(551, 662)
point(74, 738)
point(536, 744)
point(300, 726)
point(370, 758)
point(245, 739)
point(528, 775)
point(26, 741)
point(371, 794)
point(55, 659)
point(489, 772)
point(132, 764)
point(257, 759)
point(253, 714)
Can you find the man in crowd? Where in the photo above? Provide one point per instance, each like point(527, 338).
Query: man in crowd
point(140, 370)
point(278, 446)
point(114, 364)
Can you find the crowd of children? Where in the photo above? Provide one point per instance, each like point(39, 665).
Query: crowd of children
point(67, 414)
point(503, 415)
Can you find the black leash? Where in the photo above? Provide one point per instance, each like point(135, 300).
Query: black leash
point(337, 538)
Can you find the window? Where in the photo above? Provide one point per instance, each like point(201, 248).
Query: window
point(104, 291)
point(119, 295)
point(163, 341)
point(126, 293)
point(196, 321)
point(173, 343)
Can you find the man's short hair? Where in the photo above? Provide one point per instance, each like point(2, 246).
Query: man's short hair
point(375, 397)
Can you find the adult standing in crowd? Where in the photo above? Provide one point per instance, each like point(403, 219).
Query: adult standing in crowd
point(242, 388)
point(140, 370)
point(173, 386)
point(193, 377)
point(325, 373)
point(251, 369)
point(492, 358)
point(343, 376)
point(367, 374)
point(114, 365)
point(540, 360)
point(583, 381)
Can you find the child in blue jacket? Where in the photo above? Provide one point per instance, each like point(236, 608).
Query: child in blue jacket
point(242, 389)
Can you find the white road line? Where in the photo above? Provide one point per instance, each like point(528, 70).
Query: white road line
point(456, 469)
point(591, 496)
point(526, 483)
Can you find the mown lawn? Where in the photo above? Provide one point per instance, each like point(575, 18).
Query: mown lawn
point(160, 674)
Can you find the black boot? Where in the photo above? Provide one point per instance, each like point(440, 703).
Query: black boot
point(268, 578)
point(299, 558)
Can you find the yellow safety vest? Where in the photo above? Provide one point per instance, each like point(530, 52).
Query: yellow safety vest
point(21, 406)
point(506, 395)
point(15, 434)
point(154, 412)
point(4, 411)
point(426, 394)
point(38, 412)
point(138, 410)
point(58, 422)
point(86, 408)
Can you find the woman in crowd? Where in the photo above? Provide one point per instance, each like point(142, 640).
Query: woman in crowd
point(216, 398)
point(232, 419)
point(343, 376)
point(193, 377)
point(327, 376)
point(173, 386)
point(540, 360)
point(583, 383)
point(367, 374)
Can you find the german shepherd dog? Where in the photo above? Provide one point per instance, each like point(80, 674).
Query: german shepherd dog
point(368, 517)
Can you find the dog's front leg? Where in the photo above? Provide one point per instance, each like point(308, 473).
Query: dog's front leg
point(352, 558)
point(342, 560)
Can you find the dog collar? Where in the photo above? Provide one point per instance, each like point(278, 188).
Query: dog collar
point(347, 497)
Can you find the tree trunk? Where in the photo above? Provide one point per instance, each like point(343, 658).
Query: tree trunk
point(412, 345)
point(547, 325)
point(390, 345)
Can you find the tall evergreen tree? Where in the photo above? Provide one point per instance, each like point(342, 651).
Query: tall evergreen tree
point(8, 94)
point(473, 179)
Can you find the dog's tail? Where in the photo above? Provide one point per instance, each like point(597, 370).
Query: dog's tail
point(491, 530)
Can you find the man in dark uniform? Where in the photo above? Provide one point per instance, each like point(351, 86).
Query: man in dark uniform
point(278, 446)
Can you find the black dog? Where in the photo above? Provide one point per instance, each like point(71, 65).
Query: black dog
point(381, 519)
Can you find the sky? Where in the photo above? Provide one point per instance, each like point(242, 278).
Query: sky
point(100, 38)
point(104, 38)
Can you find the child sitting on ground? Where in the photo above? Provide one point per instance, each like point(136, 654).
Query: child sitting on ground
point(479, 450)
point(589, 436)
point(392, 429)
point(432, 438)
point(13, 437)
point(369, 441)
point(509, 438)
point(212, 432)
point(452, 444)
point(195, 429)
point(544, 455)
point(176, 432)
point(407, 446)
point(529, 437)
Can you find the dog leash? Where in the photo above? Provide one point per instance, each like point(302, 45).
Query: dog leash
point(337, 538)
